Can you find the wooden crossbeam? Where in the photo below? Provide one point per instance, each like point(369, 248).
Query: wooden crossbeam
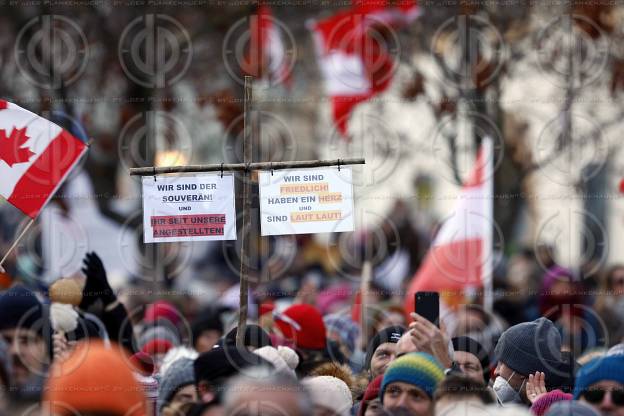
point(242, 167)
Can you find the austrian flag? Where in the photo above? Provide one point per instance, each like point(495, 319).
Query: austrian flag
point(35, 157)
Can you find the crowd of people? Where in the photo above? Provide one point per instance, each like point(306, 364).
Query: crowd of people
point(77, 349)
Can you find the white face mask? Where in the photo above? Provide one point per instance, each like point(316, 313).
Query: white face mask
point(504, 392)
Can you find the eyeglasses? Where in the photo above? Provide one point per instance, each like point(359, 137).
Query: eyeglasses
point(596, 396)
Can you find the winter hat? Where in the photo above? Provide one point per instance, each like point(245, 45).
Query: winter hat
point(142, 363)
point(161, 310)
point(20, 307)
point(254, 337)
point(303, 324)
point(468, 344)
point(599, 369)
point(571, 408)
point(329, 392)
point(207, 320)
point(541, 405)
point(83, 382)
point(416, 368)
point(284, 359)
point(390, 334)
point(179, 374)
point(372, 391)
point(174, 354)
point(157, 346)
point(222, 362)
point(531, 346)
point(349, 331)
point(160, 331)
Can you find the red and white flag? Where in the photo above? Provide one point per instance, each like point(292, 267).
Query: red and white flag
point(354, 64)
point(35, 157)
point(267, 55)
point(461, 254)
point(398, 15)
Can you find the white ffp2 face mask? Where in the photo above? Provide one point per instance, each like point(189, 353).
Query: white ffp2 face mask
point(504, 392)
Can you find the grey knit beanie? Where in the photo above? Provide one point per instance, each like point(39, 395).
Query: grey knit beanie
point(179, 374)
point(531, 346)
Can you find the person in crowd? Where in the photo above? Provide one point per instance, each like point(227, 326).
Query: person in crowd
point(98, 297)
point(522, 350)
point(409, 383)
point(609, 302)
point(471, 358)
point(260, 392)
point(177, 386)
point(382, 350)
point(207, 329)
point(330, 396)
point(344, 332)
point(600, 383)
point(23, 328)
point(95, 380)
point(460, 388)
point(371, 404)
point(302, 326)
point(212, 369)
point(562, 300)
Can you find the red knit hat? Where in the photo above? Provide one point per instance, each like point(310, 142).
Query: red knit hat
point(157, 346)
point(95, 378)
point(303, 324)
point(541, 405)
point(161, 309)
point(372, 392)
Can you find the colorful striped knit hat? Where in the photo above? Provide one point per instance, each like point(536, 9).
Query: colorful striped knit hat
point(417, 368)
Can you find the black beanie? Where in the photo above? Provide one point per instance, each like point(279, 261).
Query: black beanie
point(389, 334)
point(254, 337)
point(468, 344)
point(219, 363)
point(20, 307)
point(205, 321)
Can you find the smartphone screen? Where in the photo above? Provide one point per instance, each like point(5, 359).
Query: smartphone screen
point(427, 305)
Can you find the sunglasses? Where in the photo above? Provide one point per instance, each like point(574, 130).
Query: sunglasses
point(596, 396)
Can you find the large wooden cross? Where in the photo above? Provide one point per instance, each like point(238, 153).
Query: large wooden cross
point(244, 170)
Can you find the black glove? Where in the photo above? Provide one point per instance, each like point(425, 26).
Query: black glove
point(97, 286)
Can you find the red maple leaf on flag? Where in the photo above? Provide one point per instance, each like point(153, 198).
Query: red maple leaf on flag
point(12, 150)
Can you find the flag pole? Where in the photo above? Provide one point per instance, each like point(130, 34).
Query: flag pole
point(248, 137)
point(488, 207)
point(15, 243)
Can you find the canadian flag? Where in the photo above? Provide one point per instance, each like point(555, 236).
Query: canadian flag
point(461, 254)
point(35, 157)
point(266, 54)
point(355, 63)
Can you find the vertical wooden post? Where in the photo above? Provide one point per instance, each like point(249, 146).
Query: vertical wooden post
point(244, 251)
point(367, 276)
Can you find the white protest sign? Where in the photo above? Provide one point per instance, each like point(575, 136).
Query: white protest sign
point(188, 208)
point(305, 201)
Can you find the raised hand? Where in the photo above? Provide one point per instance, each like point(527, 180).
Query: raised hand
point(428, 338)
point(536, 386)
point(96, 286)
